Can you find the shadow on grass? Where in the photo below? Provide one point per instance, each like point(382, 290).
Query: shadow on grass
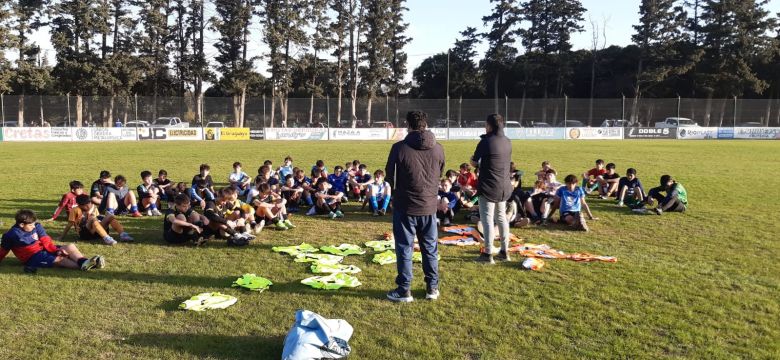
point(211, 346)
point(168, 279)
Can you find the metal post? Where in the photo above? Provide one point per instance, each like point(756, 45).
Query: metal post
point(734, 124)
point(327, 111)
point(387, 108)
point(678, 107)
point(623, 111)
point(68, 97)
point(565, 109)
point(2, 109)
point(135, 97)
point(264, 115)
point(202, 107)
point(448, 89)
point(506, 108)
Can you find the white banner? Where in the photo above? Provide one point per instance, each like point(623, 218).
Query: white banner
point(466, 133)
point(184, 134)
point(697, 133)
point(756, 133)
point(594, 133)
point(296, 133)
point(37, 134)
point(104, 134)
point(358, 134)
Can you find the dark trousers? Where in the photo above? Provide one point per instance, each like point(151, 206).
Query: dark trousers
point(673, 204)
point(405, 228)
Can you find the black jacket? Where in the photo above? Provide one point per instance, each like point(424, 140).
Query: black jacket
point(414, 169)
point(494, 153)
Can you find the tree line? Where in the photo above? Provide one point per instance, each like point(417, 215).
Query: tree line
point(354, 50)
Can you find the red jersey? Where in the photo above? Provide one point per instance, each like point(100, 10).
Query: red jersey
point(467, 179)
point(595, 172)
point(68, 202)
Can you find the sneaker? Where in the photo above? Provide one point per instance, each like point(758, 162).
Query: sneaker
point(279, 225)
point(259, 226)
point(658, 211)
point(247, 236)
point(503, 256)
point(620, 204)
point(397, 296)
point(149, 213)
point(289, 224)
point(603, 197)
point(332, 215)
point(376, 213)
point(339, 214)
point(136, 214)
point(87, 265)
point(312, 211)
point(108, 240)
point(382, 212)
point(545, 222)
point(199, 241)
point(485, 258)
point(156, 212)
point(432, 294)
point(583, 225)
point(345, 199)
point(125, 237)
point(98, 261)
point(640, 211)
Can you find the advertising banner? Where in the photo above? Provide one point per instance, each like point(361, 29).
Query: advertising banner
point(296, 133)
point(234, 134)
point(535, 133)
point(103, 134)
point(725, 133)
point(257, 134)
point(598, 133)
point(650, 133)
point(441, 133)
point(697, 133)
point(396, 134)
point(210, 134)
point(756, 133)
point(466, 133)
point(358, 134)
point(147, 133)
point(28, 134)
point(184, 134)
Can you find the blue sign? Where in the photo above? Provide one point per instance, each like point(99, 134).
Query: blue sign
point(725, 133)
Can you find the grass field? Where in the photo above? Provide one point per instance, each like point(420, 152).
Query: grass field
point(705, 284)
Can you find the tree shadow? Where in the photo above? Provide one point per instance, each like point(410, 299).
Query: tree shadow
point(211, 346)
point(169, 279)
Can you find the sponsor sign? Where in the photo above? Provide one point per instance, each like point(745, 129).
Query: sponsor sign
point(257, 134)
point(147, 133)
point(210, 134)
point(296, 133)
point(358, 134)
point(756, 133)
point(466, 133)
point(28, 134)
point(535, 133)
point(580, 133)
point(103, 134)
point(650, 133)
point(725, 133)
point(184, 134)
point(396, 134)
point(234, 134)
point(441, 133)
point(697, 133)
point(1, 135)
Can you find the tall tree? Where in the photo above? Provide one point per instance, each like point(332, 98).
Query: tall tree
point(320, 42)
point(232, 24)
point(398, 40)
point(5, 43)
point(500, 55)
point(375, 51)
point(154, 46)
point(340, 28)
point(465, 79)
point(197, 65)
point(31, 76)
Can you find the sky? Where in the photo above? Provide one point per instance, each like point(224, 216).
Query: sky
point(435, 24)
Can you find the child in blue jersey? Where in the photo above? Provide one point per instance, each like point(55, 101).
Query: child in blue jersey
point(630, 190)
point(360, 181)
point(239, 180)
point(28, 240)
point(571, 200)
point(320, 166)
point(148, 195)
point(119, 199)
point(379, 193)
point(200, 194)
point(300, 181)
point(286, 169)
point(448, 201)
point(338, 180)
point(328, 200)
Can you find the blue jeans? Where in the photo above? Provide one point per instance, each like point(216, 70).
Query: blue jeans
point(405, 228)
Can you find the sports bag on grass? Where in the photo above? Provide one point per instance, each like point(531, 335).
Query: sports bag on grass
point(315, 337)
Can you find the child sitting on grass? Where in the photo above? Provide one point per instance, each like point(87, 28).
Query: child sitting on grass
point(90, 225)
point(593, 178)
point(35, 249)
point(611, 181)
point(328, 200)
point(448, 202)
point(166, 187)
point(182, 224)
point(68, 200)
point(379, 193)
point(675, 199)
point(571, 200)
point(239, 180)
point(119, 199)
point(270, 208)
point(148, 195)
point(630, 190)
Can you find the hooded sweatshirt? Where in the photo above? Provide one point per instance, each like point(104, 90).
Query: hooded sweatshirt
point(494, 153)
point(413, 169)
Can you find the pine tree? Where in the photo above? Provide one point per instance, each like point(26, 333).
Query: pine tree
point(399, 58)
point(197, 66)
point(340, 28)
point(320, 42)
point(232, 24)
point(154, 45)
point(375, 51)
point(465, 80)
point(500, 54)
point(5, 43)
point(30, 75)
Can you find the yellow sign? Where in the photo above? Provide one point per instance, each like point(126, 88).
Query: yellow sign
point(234, 133)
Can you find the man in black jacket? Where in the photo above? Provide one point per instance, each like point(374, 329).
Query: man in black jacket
point(413, 169)
point(494, 187)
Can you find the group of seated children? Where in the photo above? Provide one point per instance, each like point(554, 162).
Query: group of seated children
point(548, 195)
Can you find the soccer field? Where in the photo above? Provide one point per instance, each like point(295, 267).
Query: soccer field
point(704, 284)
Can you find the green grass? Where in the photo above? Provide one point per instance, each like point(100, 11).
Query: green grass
point(700, 285)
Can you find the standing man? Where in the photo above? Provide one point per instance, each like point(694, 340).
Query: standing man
point(492, 156)
point(413, 169)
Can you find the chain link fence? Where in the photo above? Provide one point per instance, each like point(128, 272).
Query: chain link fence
point(63, 111)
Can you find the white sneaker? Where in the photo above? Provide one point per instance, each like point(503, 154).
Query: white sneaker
point(156, 212)
point(125, 237)
point(109, 240)
point(259, 226)
point(149, 212)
